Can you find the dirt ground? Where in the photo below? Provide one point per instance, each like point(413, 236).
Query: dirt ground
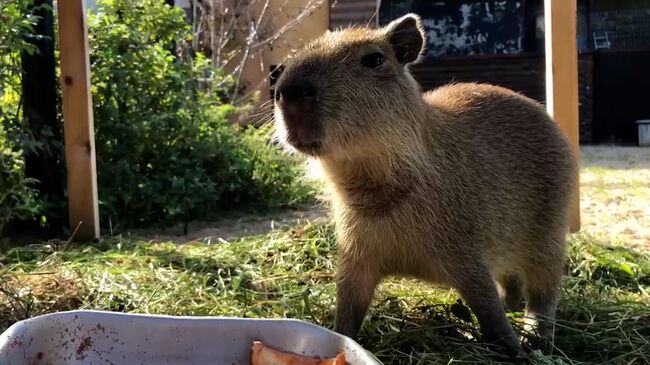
point(614, 197)
point(233, 227)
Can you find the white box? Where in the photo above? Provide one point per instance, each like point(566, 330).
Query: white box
point(644, 132)
point(95, 337)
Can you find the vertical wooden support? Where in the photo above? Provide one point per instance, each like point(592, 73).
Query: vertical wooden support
point(562, 79)
point(78, 120)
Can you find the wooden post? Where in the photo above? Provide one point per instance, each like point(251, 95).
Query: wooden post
point(78, 120)
point(562, 80)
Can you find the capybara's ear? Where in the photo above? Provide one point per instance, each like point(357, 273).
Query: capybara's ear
point(407, 37)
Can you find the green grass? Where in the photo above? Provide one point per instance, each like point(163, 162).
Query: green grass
point(603, 318)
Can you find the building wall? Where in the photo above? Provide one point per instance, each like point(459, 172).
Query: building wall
point(586, 88)
point(626, 22)
point(344, 13)
point(280, 12)
point(622, 81)
point(535, 26)
point(523, 73)
point(257, 68)
point(465, 27)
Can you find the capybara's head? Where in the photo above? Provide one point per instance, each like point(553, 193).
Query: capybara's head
point(350, 90)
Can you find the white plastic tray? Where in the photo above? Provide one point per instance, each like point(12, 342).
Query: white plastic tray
point(108, 338)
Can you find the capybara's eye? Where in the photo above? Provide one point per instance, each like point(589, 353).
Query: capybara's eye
point(372, 60)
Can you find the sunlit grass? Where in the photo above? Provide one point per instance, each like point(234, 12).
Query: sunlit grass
point(604, 315)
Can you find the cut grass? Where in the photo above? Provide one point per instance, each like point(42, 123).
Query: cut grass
point(603, 317)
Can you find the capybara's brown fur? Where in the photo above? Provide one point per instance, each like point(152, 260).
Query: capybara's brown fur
point(467, 185)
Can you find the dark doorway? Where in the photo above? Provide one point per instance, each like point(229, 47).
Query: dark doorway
point(621, 95)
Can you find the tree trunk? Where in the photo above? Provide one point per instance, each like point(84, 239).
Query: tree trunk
point(41, 118)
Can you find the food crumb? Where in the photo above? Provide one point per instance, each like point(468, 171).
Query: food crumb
point(85, 344)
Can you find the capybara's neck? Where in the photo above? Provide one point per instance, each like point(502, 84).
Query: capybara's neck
point(374, 180)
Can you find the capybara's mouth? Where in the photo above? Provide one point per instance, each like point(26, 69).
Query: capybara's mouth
point(304, 135)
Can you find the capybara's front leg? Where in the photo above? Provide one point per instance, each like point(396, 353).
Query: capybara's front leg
point(355, 289)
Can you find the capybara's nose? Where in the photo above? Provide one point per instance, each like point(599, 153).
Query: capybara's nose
point(296, 91)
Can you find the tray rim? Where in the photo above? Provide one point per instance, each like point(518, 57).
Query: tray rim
point(4, 336)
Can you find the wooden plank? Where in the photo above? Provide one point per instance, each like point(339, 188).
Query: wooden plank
point(562, 80)
point(78, 120)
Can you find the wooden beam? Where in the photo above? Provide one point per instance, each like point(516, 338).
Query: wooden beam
point(78, 120)
point(562, 80)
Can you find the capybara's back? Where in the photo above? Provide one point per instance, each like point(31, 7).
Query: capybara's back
point(513, 164)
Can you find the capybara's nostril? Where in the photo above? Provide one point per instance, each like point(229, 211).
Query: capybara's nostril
point(295, 91)
point(309, 91)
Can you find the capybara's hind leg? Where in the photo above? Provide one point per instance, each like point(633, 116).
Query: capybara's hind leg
point(542, 289)
point(512, 292)
point(541, 303)
point(479, 291)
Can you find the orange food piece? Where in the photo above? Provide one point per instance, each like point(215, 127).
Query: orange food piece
point(264, 355)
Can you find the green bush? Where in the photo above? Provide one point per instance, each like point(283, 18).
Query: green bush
point(165, 150)
point(17, 199)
